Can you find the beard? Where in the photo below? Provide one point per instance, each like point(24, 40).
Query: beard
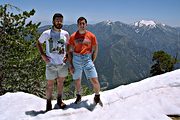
point(58, 26)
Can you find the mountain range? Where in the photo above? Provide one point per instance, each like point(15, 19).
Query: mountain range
point(125, 50)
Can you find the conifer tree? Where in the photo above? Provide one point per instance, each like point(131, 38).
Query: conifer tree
point(21, 67)
point(163, 63)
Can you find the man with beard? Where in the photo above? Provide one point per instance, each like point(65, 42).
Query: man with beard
point(56, 41)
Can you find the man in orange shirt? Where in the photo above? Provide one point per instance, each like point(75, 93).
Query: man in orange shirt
point(82, 54)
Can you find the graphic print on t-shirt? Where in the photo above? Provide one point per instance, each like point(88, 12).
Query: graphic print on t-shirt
point(57, 43)
point(61, 46)
point(82, 41)
point(50, 45)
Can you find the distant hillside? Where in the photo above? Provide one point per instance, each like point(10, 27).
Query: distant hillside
point(178, 28)
point(43, 28)
point(125, 51)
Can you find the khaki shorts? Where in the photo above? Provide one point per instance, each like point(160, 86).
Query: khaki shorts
point(55, 71)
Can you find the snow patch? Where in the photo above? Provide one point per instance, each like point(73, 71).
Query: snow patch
point(163, 24)
point(108, 22)
point(142, 23)
point(150, 99)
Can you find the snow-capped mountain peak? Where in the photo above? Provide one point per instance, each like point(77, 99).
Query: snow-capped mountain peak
point(107, 22)
point(163, 24)
point(142, 23)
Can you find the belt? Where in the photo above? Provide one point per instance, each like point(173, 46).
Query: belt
point(56, 64)
point(78, 54)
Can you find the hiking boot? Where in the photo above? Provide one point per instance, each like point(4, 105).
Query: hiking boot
point(48, 105)
point(97, 99)
point(60, 103)
point(78, 99)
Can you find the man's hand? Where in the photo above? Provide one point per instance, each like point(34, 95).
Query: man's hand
point(43, 55)
point(71, 70)
point(65, 60)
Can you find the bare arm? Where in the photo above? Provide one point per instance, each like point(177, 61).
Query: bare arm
point(70, 57)
point(43, 55)
point(70, 54)
point(95, 52)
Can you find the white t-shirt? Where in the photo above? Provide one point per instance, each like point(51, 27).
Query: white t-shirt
point(55, 44)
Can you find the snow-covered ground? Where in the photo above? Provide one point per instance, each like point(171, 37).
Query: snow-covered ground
point(150, 99)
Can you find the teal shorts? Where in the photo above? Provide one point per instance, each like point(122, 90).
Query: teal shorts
point(55, 71)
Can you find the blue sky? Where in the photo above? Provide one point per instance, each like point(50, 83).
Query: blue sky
point(126, 11)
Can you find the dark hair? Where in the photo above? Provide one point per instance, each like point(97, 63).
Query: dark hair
point(57, 15)
point(80, 19)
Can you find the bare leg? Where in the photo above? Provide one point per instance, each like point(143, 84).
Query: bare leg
point(96, 85)
point(49, 89)
point(60, 84)
point(78, 86)
point(78, 91)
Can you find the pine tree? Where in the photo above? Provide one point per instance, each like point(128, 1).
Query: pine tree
point(20, 65)
point(163, 63)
